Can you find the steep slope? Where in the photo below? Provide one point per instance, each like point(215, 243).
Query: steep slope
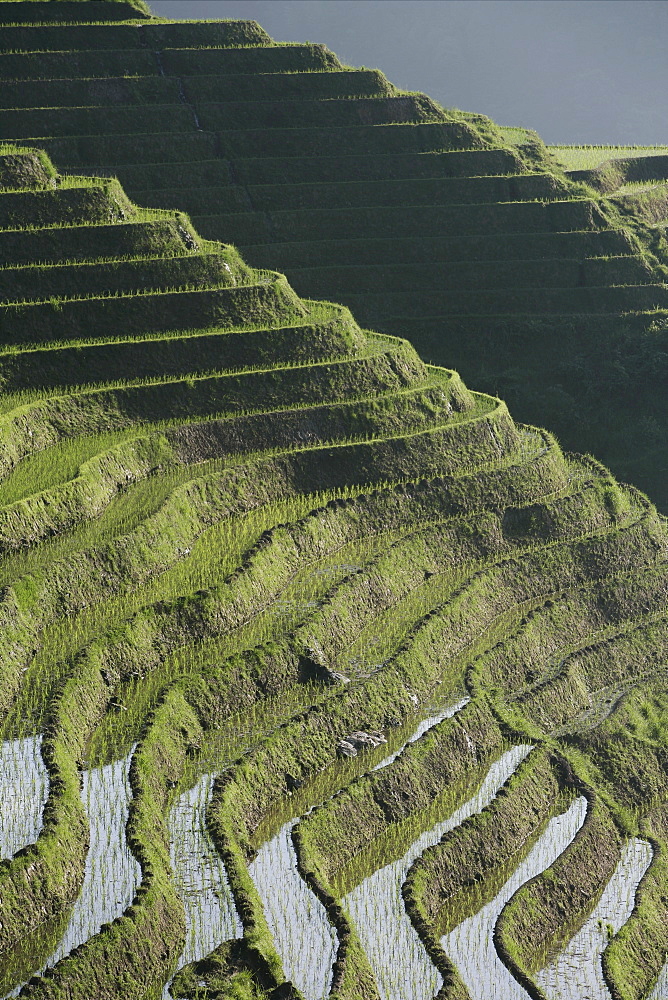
point(430, 224)
point(243, 539)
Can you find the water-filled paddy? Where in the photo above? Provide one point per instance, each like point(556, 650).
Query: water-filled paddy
point(304, 937)
point(470, 945)
point(579, 964)
point(24, 787)
point(112, 873)
point(377, 909)
point(200, 877)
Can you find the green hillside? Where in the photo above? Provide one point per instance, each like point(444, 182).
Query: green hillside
point(233, 522)
point(430, 224)
point(321, 675)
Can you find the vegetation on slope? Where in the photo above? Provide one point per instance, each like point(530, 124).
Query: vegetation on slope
point(238, 530)
point(544, 285)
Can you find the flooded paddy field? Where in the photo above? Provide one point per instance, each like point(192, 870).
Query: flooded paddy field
point(377, 908)
point(579, 964)
point(24, 787)
point(199, 876)
point(112, 874)
point(470, 945)
point(304, 936)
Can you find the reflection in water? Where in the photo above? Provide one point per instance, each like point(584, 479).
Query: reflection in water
point(470, 945)
point(303, 935)
point(579, 965)
point(397, 955)
point(24, 786)
point(112, 874)
point(200, 877)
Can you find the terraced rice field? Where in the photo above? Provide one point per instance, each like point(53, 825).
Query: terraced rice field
point(321, 676)
point(470, 240)
point(589, 157)
point(580, 961)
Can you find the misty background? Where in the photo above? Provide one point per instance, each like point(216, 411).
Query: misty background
point(577, 71)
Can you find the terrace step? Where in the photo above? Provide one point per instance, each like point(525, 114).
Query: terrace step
point(616, 172)
point(37, 283)
point(44, 38)
point(65, 64)
point(180, 354)
point(560, 273)
point(76, 152)
point(165, 89)
point(365, 194)
point(268, 170)
point(478, 438)
point(290, 58)
point(103, 409)
point(312, 114)
point(344, 224)
point(534, 649)
point(606, 299)
point(381, 166)
point(161, 232)
point(452, 248)
point(174, 147)
point(583, 676)
point(24, 170)
point(309, 86)
point(31, 12)
point(72, 93)
point(276, 425)
point(90, 121)
point(573, 326)
point(97, 202)
point(149, 312)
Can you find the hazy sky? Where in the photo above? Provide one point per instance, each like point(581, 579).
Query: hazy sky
point(578, 71)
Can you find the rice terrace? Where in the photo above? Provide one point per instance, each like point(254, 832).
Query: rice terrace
point(325, 672)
